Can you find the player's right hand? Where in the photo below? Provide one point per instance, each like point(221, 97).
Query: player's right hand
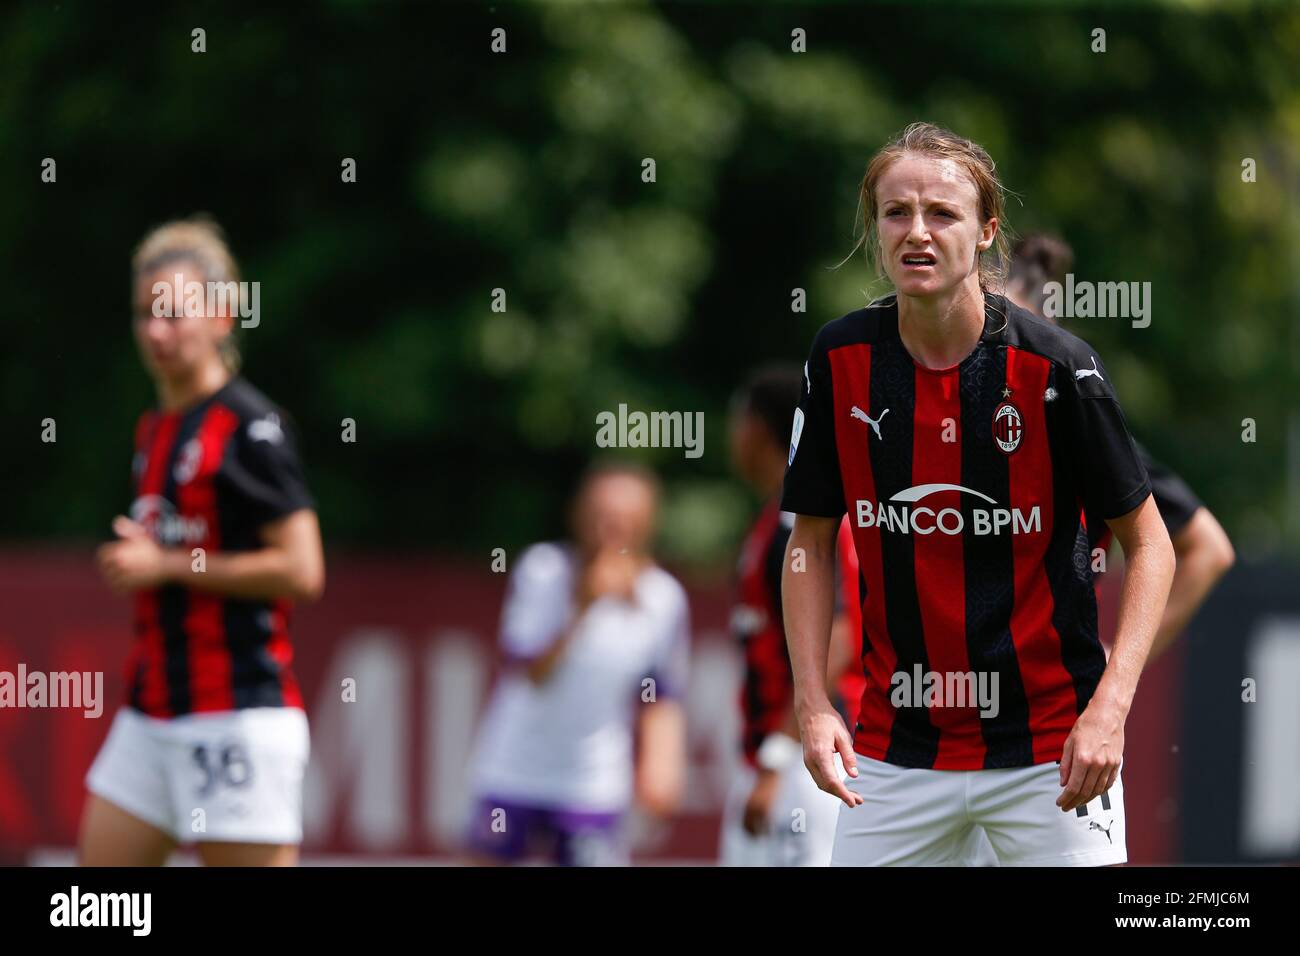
point(823, 734)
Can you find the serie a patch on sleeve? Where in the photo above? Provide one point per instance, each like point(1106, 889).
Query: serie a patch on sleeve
point(795, 432)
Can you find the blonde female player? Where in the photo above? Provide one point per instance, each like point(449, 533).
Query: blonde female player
point(211, 744)
point(964, 437)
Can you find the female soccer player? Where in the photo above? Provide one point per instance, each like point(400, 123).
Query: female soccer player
point(211, 745)
point(964, 437)
point(587, 715)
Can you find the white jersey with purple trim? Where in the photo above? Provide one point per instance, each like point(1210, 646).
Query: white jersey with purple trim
point(568, 741)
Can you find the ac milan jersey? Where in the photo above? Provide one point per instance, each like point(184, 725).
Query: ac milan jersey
point(965, 489)
point(767, 691)
point(210, 477)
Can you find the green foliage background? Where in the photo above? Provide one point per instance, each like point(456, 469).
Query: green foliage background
point(522, 171)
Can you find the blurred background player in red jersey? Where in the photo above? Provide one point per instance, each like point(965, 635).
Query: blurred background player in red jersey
point(212, 743)
point(1203, 553)
point(774, 814)
point(585, 718)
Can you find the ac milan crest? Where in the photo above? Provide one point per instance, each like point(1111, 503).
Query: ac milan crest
point(1007, 427)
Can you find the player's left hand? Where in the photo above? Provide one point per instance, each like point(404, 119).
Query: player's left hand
point(133, 562)
point(1092, 756)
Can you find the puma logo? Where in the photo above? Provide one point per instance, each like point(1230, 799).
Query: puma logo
point(1094, 825)
point(1085, 372)
point(859, 414)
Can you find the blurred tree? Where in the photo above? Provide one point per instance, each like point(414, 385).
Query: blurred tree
point(523, 171)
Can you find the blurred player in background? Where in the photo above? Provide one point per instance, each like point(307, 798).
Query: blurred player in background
point(1203, 553)
point(961, 434)
point(212, 743)
point(586, 716)
point(774, 814)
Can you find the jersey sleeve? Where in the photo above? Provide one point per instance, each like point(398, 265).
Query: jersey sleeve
point(813, 485)
point(538, 603)
point(1175, 499)
point(1112, 480)
point(266, 471)
point(672, 661)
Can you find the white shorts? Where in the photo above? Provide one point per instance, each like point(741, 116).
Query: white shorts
point(232, 776)
point(919, 817)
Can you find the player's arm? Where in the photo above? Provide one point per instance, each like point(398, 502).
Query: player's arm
point(814, 493)
point(540, 668)
point(290, 563)
point(839, 657)
point(781, 748)
point(1203, 555)
point(269, 493)
point(661, 752)
point(808, 599)
point(1112, 480)
point(661, 756)
point(1095, 748)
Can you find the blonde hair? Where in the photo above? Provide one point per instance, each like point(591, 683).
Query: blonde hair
point(201, 241)
point(926, 139)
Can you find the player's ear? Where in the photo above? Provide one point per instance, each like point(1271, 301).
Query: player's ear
point(987, 234)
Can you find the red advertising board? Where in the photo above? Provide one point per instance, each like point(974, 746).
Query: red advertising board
point(387, 776)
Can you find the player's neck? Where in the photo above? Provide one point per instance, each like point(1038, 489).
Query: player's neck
point(941, 331)
point(177, 394)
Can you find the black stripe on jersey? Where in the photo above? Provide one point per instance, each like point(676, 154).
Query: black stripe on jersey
point(989, 563)
point(174, 600)
point(914, 740)
point(1068, 564)
point(865, 646)
point(255, 675)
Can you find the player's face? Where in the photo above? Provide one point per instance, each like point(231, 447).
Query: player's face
point(928, 221)
point(174, 346)
point(616, 512)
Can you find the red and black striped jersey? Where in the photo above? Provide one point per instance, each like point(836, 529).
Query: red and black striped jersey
point(767, 691)
point(210, 477)
point(965, 488)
